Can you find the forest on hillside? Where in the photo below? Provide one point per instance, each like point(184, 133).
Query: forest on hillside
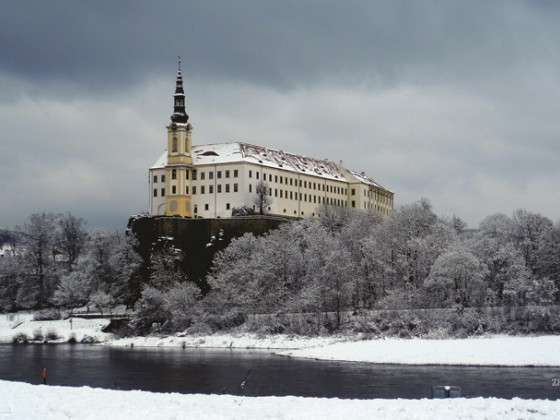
point(344, 262)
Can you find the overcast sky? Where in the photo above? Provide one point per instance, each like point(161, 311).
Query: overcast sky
point(458, 102)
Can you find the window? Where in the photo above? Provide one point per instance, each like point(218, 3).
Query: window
point(194, 174)
point(291, 195)
point(250, 174)
point(250, 187)
point(257, 175)
point(155, 192)
point(155, 178)
point(174, 174)
point(353, 204)
point(163, 192)
point(275, 192)
point(300, 183)
point(281, 193)
point(281, 179)
point(291, 179)
point(210, 175)
point(304, 184)
point(174, 145)
point(353, 192)
point(270, 177)
point(194, 190)
point(206, 207)
point(210, 189)
point(235, 187)
point(227, 206)
point(275, 178)
point(219, 174)
point(202, 176)
point(270, 192)
point(235, 173)
point(187, 189)
point(195, 209)
point(227, 188)
point(202, 189)
point(163, 178)
point(187, 173)
point(173, 189)
point(219, 188)
point(227, 174)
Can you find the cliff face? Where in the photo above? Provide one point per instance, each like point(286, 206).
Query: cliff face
point(199, 239)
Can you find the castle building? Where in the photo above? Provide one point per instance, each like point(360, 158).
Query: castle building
point(216, 180)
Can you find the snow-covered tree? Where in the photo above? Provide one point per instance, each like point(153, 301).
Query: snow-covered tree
point(73, 290)
point(548, 257)
point(166, 267)
point(529, 231)
point(151, 310)
point(181, 302)
point(457, 276)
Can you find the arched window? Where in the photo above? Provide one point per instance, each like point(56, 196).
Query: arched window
point(174, 145)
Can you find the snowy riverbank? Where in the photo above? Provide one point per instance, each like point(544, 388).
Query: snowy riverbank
point(24, 401)
point(233, 341)
point(22, 325)
point(485, 351)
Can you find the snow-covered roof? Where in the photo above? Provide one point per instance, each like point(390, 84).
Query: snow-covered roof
point(362, 177)
point(209, 154)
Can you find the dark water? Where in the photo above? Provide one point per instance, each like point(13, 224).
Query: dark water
point(222, 371)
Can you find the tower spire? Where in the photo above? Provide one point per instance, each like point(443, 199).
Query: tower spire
point(179, 103)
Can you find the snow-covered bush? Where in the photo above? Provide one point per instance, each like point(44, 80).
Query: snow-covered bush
point(47, 315)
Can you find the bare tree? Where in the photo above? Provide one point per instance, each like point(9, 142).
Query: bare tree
point(38, 242)
point(71, 237)
point(263, 199)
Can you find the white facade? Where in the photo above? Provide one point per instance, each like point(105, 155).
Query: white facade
point(225, 176)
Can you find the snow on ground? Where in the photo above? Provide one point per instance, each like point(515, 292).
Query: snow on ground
point(243, 341)
point(493, 350)
point(497, 350)
point(30, 402)
point(12, 325)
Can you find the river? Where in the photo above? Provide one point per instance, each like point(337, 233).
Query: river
point(224, 371)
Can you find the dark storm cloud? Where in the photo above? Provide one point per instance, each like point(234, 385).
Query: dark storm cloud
point(285, 44)
point(456, 101)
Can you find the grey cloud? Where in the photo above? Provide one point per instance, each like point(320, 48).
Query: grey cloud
point(103, 44)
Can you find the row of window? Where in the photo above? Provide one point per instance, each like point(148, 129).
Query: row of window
point(378, 196)
point(207, 207)
point(202, 189)
point(195, 175)
point(279, 179)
